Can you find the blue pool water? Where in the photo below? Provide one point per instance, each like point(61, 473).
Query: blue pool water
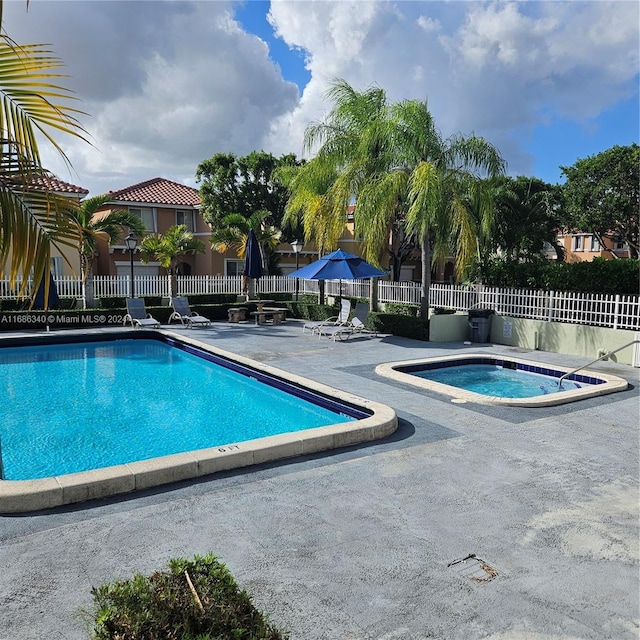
point(496, 381)
point(75, 407)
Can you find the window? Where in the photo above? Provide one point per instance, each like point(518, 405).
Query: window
point(595, 245)
point(619, 245)
point(147, 215)
point(233, 267)
point(578, 243)
point(187, 218)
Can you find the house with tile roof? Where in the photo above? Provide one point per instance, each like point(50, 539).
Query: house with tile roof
point(65, 261)
point(161, 204)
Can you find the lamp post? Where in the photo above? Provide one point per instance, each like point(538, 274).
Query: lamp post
point(131, 243)
point(297, 245)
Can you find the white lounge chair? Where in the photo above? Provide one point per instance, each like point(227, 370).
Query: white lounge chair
point(183, 313)
point(342, 318)
point(357, 325)
point(137, 315)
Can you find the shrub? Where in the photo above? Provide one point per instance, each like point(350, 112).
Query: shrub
point(442, 311)
point(165, 605)
point(401, 309)
point(399, 325)
point(213, 298)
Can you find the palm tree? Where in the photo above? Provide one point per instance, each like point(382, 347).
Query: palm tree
point(90, 227)
point(169, 248)
point(234, 229)
point(528, 213)
point(32, 218)
point(355, 150)
point(403, 175)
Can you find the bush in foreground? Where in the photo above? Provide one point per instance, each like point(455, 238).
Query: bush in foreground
point(193, 600)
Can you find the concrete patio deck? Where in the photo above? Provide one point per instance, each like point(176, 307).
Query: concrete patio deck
point(358, 543)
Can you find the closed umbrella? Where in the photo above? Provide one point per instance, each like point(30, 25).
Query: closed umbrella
point(53, 300)
point(252, 262)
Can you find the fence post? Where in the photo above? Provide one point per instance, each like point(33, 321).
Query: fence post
point(616, 311)
point(550, 307)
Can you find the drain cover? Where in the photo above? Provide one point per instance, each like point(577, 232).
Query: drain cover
point(474, 568)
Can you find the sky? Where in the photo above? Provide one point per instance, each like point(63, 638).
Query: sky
point(168, 84)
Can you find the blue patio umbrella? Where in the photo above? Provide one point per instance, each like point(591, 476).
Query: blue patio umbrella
point(338, 265)
point(53, 300)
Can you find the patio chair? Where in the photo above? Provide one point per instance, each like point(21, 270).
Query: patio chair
point(340, 319)
point(137, 315)
point(183, 313)
point(357, 325)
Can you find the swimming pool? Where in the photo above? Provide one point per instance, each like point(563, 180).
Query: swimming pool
point(501, 380)
point(163, 408)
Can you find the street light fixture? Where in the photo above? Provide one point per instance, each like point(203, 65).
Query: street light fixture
point(297, 245)
point(131, 242)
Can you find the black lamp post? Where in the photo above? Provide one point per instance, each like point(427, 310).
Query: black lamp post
point(131, 243)
point(297, 245)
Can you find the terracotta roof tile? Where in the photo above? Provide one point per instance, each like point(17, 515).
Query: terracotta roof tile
point(59, 186)
point(158, 191)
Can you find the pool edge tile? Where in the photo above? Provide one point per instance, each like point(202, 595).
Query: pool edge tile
point(18, 496)
point(97, 483)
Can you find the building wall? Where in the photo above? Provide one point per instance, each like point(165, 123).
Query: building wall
point(556, 337)
point(583, 247)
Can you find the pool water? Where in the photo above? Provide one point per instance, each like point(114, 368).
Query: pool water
point(491, 380)
point(76, 407)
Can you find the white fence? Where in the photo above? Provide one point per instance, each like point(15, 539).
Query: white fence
point(615, 311)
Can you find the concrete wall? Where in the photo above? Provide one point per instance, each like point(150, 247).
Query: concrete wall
point(572, 339)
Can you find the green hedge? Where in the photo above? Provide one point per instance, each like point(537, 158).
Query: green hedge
point(399, 325)
point(599, 276)
point(165, 606)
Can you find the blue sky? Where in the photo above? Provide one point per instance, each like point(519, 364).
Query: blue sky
point(166, 85)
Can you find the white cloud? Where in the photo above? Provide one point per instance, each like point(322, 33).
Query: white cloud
point(493, 68)
point(169, 84)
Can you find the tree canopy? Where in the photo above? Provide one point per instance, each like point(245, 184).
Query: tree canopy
point(527, 214)
point(602, 195)
point(242, 185)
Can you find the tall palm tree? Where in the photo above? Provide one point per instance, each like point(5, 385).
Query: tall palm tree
point(169, 248)
point(32, 218)
point(355, 150)
point(441, 175)
point(90, 227)
point(403, 175)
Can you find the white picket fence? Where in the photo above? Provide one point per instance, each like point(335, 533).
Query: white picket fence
point(615, 311)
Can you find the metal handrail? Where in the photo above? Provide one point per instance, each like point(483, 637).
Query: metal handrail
point(604, 356)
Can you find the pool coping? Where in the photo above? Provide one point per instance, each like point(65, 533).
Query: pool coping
point(610, 384)
point(21, 496)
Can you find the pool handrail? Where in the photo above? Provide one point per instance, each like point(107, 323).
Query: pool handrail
point(604, 356)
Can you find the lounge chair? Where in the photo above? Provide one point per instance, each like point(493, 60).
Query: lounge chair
point(357, 325)
point(183, 313)
point(137, 315)
point(340, 319)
